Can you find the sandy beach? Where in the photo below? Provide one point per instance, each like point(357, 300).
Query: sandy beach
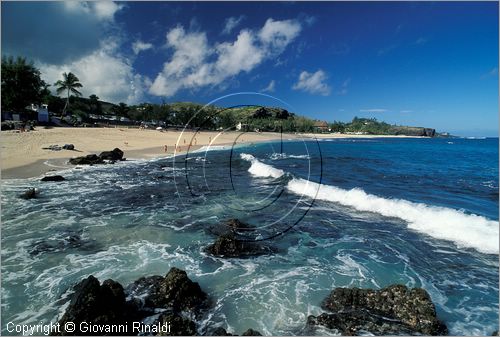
point(23, 155)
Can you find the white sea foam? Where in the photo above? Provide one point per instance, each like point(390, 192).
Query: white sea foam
point(276, 156)
point(466, 230)
point(260, 169)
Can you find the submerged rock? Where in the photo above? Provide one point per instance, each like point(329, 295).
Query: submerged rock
point(30, 193)
point(115, 154)
point(53, 178)
point(396, 309)
point(60, 242)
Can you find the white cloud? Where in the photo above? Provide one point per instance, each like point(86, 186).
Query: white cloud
point(139, 46)
point(373, 110)
point(278, 34)
point(343, 89)
point(270, 88)
point(421, 40)
point(103, 10)
point(195, 63)
point(492, 73)
point(103, 73)
point(106, 9)
point(231, 23)
point(314, 83)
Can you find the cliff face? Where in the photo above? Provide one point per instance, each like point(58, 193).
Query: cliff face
point(413, 131)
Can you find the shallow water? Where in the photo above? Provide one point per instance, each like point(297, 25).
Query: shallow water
point(423, 212)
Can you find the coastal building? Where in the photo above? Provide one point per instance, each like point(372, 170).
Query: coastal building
point(320, 126)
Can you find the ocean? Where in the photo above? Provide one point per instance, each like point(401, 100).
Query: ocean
point(338, 213)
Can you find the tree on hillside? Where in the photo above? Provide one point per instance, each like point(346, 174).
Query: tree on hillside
point(94, 104)
point(121, 109)
point(21, 84)
point(69, 84)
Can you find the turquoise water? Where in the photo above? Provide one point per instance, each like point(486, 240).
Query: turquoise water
point(422, 212)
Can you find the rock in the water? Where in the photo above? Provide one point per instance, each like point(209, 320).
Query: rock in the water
point(251, 332)
point(90, 159)
point(175, 291)
point(60, 242)
point(116, 154)
point(30, 193)
point(385, 311)
point(101, 305)
point(53, 178)
point(68, 147)
point(228, 245)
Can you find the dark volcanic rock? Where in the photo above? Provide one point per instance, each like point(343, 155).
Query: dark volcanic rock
point(99, 304)
point(228, 245)
point(53, 178)
point(90, 159)
point(30, 193)
point(219, 332)
point(386, 311)
point(116, 154)
point(175, 291)
point(68, 147)
point(251, 332)
point(179, 326)
point(360, 322)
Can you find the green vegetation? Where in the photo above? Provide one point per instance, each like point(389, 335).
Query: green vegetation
point(69, 84)
point(21, 84)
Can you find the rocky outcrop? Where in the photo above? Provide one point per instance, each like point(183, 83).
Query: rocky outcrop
point(412, 131)
point(30, 193)
point(396, 309)
point(91, 159)
point(228, 245)
point(233, 241)
point(251, 332)
point(175, 291)
point(100, 304)
point(222, 332)
point(178, 325)
point(68, 147)
point(115, 154)
point(53, 178)
point(108, 303)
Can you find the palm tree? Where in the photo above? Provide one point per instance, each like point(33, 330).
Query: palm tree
point(94, 104)
point(68, 84)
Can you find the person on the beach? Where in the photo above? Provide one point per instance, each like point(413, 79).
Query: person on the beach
point(165, 148)
point(210, 140)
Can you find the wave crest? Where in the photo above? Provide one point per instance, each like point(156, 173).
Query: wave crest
point(466, 230)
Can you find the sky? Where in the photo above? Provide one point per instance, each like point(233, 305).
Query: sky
point(432, 64)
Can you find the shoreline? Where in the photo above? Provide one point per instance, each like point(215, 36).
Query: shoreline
point(23, 157)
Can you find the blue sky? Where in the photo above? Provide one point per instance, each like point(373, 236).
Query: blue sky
point(431, 64)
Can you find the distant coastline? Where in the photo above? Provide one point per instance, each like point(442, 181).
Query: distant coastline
point(23, 155)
